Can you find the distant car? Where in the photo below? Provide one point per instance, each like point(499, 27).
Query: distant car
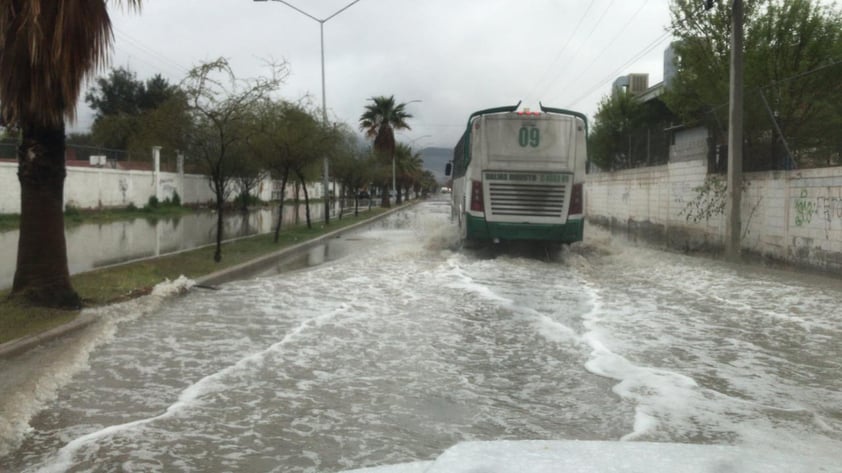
point(363, 195)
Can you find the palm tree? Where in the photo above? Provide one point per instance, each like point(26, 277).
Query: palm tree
point(47, 48)
point(380, 120)
point(409, 166)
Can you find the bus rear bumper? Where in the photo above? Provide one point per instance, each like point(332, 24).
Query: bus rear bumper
point(480, 229)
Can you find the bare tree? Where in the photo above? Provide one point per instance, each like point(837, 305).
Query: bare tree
point(221, 107)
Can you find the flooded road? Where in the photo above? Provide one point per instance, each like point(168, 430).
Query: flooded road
point(394, 347)
point(95, 245)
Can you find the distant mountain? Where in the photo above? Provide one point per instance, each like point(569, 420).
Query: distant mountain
point(435, 159)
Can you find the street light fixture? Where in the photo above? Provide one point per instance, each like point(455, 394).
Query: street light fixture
point(321, 22)
point(411, 142)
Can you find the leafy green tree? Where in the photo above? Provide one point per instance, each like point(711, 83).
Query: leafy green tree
point(427, 184)
point(321, 138)
point(123, 104)
point(222, 107)
point(792, 64)
point(115, 94)
point(47, 49)
point(273, 146)
point(168, 125)
point(351, 166)
point(81, 139)
point(613, 123)
point(382, 117)
point(291, 143)
point(408, 166)
point(630, 133)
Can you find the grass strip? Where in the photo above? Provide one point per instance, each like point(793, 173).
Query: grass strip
point(118, 283)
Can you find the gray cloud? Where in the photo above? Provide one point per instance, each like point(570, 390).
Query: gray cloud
point(456, 56)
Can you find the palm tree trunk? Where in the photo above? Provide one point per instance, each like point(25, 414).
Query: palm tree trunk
point(41, 275)
point(384, 197)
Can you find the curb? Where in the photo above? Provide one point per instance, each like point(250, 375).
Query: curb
point(247, 269)
point(243, 270)
point(17, 347)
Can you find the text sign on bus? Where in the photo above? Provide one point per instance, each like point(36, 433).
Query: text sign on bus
point(543, 178)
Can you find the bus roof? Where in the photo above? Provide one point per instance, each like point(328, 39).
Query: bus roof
point(513, 108)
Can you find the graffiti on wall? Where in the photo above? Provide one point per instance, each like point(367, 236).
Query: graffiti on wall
point(825, 207)
point(805, 208)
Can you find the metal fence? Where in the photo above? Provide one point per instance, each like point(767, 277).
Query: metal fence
point(114, 158)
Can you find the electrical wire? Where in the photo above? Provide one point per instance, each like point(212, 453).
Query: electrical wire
point(646, 49)
point(613, 75)
point(563, 48)
point(153, 58)
point(581, 72)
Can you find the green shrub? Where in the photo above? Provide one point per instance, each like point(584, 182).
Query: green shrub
point(245, 200)
point(153, 202)
point(71, 211)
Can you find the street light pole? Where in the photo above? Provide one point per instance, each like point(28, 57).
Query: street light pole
point(321, 22)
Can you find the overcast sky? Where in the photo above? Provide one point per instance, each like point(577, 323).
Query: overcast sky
point(455, 56)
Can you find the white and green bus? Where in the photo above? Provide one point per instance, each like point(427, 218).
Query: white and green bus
point(518, 175)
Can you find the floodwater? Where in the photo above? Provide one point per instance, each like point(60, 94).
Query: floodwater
point(394, 346)
point(91, 246)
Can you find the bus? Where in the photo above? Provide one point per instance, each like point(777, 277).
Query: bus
point(518, 175)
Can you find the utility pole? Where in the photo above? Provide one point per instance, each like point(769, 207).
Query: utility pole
point(733, 227)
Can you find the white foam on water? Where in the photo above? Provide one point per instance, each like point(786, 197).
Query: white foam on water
point(546, 326)
point(166, 288)
point(188, 398)
point(32, 380)
point(724, 376)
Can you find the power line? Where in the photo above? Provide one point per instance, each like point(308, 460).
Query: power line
point(563, 48)
point(646, 49)
point(614, 73)
point(161, 61)
point(616, 37)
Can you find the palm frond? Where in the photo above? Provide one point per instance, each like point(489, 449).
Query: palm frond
point(47, 49)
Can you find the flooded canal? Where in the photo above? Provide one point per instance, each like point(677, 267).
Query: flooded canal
point(91, 246)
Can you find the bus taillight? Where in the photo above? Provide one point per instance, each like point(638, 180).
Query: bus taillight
point(476, 197)
point(576, 200)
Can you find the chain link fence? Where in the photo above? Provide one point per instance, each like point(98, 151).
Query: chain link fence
point(114, 158)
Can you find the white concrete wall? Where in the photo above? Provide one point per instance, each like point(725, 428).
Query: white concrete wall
point(9, 188)
point(106, 187)
point(793, 216)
